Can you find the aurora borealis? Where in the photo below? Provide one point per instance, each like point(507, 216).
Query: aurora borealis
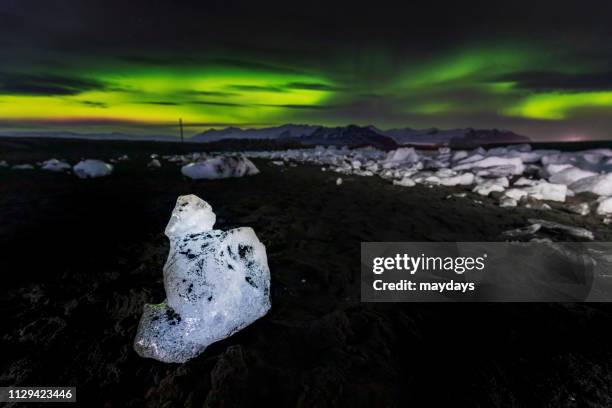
point(543, 70)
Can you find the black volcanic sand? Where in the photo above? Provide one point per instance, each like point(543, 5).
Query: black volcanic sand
point(80, 258)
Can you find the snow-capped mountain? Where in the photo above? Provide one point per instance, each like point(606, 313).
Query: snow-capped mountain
point(313, 135)
point(453, 137)
point(277, 132)
point(357, 135)
point(348, 135)
point(304, 134)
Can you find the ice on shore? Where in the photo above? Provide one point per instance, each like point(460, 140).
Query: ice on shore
point(22, 167)
point(55, 165)
point(600, 185)
point(537, 224)
point(92, 168)
point(566, 229)
point(494, 166)
point(523, 181)
point(220, 167)
point(217, 282)
point(401, 156)
point(523, 231)
point(532, 175)
point(604, 206)
point(579, 208)
point(405, 182)
point(570, 175)
point(546, 191)
point(154, 164)
point(486, 187)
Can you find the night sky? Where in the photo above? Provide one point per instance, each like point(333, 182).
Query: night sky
point(540, 68)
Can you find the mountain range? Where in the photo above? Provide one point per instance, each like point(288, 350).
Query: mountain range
point(361, 135)
point(310, 135)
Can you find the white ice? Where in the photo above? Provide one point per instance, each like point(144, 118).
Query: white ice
point(22, 167)
point(92, 168)
point(217, 282)
point(486, 187)
point(600, 185)
point(55, 165)
point(154, 164)
point(220, 167)
point(604, 206)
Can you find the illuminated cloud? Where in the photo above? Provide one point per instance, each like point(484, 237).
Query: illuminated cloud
point(163, 95)
point(558, 106)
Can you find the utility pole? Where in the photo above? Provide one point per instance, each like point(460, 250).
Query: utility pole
point(181, 127)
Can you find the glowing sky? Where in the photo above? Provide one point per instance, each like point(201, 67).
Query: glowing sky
point(543, 69)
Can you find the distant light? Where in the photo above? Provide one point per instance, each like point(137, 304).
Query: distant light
point(575, 138)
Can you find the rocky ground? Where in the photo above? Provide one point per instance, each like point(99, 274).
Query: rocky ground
point(81, 257)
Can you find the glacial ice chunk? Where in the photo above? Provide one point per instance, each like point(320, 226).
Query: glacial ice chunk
point(217, 282)
point(547, 191)
point(566, 229)
point(507, 202)
point(604, 206)
point(404, 182)
point(154, 164)
point(464, 179)
point(570, 175)
point(92, 168)
point(22, 167)
point(485, 187)
point(55, 165)
point(402, 155)
point(510, 165)
point(600, 185)
point(579, 208)
point(220, 167)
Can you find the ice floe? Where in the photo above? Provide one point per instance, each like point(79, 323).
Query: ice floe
point(154, 164)
point(486, 186)
point(217, 282)
point(22, 167)
point(513, 175)
point(220, 167)
point(604, 206)
point(55, 165)
point(538, 224)
point(600, 185)
point(91, 168)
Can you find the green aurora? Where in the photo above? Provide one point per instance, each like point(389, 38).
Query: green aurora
point(533, 86)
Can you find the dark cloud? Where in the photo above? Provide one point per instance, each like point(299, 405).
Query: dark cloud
point(313, 86)
point(557, 81)
point(296, 106)
point(46, 85)
point(256, 88)
point(162, 103)
point(215, 103)
point(251, 65)
point(155, 61)
point(212, 93)
point(94, 104)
